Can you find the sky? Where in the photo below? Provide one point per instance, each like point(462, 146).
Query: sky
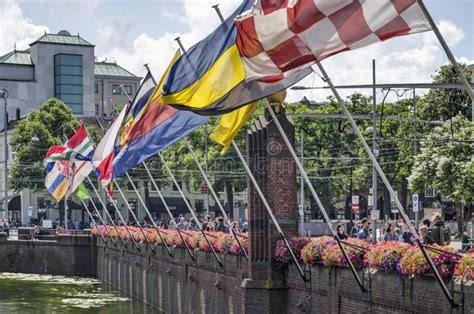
point(142, 31)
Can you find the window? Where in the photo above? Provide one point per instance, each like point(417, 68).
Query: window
point(128, 90)
point(116, 89)
point(68, 83)
point(199, 205)
point(96, 109)
point(96, 88)
point(175, 188)
point(430, 192)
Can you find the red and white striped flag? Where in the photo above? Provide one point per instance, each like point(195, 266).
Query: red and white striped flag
point(105, 151)
point(278, 37)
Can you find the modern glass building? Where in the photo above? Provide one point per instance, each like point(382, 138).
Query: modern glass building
point(68, 80)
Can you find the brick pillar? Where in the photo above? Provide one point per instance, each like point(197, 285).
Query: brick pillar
point(275, 171)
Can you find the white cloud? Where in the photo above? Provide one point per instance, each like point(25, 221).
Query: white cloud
point(16, 28)
point(157, 52)
point(116, 31)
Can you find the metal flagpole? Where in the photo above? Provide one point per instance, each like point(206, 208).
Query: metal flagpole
point(138, 194)
point(387, 184)
point(134, 216)
point(315, 195)
point(93, 220)
point(267, 207)
point(189, 207)
point(252, 178)
point(204, 173)
point(374, 149)
point(167, 209)
point(448, 52)
point(105, 210)
point(101, 220)
point(149, 214)
point(214, 194)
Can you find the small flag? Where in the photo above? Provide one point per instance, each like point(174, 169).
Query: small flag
point(79, 147)
point(58, 178)
point(230, 124)
point(82, 192)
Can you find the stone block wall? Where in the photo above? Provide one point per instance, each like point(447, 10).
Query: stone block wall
point(70, 255)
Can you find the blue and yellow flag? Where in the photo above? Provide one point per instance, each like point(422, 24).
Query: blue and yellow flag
point(209, 79)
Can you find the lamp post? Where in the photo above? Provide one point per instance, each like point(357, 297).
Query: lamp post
point(4, 96)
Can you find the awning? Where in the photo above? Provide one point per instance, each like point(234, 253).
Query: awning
point(14, 203)
point(175, 204)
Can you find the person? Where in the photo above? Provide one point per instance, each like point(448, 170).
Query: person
point(340, 232)
point(235, 226)
point(425, 238)
point(364, 232)
point(407, 236)
point(220, 226)
point(245, 227)
point(426, 222)
point(206, 224)
point(182, 223)
point(391, 234)
point(439, 232)
point(172, 225)
point(355, 229)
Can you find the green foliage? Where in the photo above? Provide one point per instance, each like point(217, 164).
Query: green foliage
point(31, 139)
point(446, 161)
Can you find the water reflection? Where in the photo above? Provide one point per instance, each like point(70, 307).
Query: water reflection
point(30, 293)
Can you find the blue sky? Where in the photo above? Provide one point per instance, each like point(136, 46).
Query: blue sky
point(142, 31)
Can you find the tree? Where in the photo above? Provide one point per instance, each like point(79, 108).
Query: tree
point(41, 129)
point(446, 162)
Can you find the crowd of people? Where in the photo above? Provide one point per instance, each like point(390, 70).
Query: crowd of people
point(207, 224)
point(430, 231)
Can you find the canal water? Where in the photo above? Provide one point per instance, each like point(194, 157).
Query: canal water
point(29, 293)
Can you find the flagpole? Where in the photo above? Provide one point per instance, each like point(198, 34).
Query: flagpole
point(170, 173)
point(269, 211)
point(149, 214)
point(167, 209)
point(449, 54)
point(134, 216)
point(93, 220)
point(315, 195)
point(198, 164)
point(105, 210)
point(139, 196)
point(102, 220)
point(214, 194)
point(386, 182)
point(257, 187)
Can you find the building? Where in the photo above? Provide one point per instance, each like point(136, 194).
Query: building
point(64, 66)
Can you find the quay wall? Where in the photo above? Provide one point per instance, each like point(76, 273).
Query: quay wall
point(70, 255)
point(180, 285)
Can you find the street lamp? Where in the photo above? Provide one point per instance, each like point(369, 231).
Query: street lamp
point(4, 96)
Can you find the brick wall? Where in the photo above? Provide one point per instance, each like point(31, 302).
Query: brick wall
point(181, 285)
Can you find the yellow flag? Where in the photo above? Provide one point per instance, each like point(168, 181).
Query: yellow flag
point(230, 124)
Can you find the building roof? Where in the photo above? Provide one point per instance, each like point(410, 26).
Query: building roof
point(17, 57)
point(63, 38)
point(111, 69)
